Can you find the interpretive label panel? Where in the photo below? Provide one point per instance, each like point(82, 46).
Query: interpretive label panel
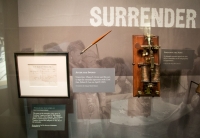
point(177, 59)
point(93, 79)
point(48, 117)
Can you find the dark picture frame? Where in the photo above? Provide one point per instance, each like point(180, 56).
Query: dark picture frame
point(42, 75)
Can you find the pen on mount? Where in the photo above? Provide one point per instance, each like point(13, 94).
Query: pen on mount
point(95, 42)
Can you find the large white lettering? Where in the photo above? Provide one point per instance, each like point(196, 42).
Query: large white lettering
point(132, 16)
point(169, 17)
point(97, 20)
point(157, 17)
point(191, 15)
point(179, 17)
point(120, 15)
point(110, 16)
point(145, 17)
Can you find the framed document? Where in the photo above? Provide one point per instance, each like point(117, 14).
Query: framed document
point(42, 74)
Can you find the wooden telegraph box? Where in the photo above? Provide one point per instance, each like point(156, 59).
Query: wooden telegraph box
point(146, 67)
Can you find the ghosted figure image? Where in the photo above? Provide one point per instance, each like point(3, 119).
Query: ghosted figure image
point(75, 59)
point(194, 75)
point(89, 59)
point(174, 86)
point(196, 66)
point(90, 107)
point(187, 126)
point(52, 47)
point(123, 76)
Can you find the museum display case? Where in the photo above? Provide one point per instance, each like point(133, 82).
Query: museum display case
point(133, 83)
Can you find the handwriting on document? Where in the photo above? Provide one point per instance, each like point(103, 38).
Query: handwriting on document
point(42, 74)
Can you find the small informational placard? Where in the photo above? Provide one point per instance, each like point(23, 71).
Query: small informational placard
point(177, 59)
point(48, 117)
point(93, 79)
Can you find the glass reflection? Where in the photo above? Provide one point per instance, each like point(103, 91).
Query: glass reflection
point(3, 76)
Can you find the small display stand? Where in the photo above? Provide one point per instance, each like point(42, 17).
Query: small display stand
point(146, 67)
